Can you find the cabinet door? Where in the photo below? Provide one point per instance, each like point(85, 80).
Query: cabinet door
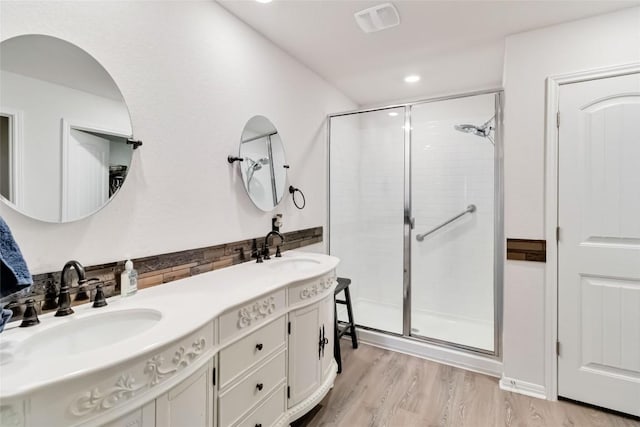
point(141, 417)
point(304, 352)
point(190, 403)
point(327, 324)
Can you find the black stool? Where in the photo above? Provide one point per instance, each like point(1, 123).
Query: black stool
point(343, 328)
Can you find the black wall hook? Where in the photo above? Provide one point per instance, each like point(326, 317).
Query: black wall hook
point(232, 159)
point(135, 142)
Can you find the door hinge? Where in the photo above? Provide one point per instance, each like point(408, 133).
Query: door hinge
point(214, 376)
point(288, 392)
point(289, 328)
point(557, 233)
point(558, 119)
point(557, 348)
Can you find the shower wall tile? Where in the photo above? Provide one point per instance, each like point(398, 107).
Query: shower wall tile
point(452, 271)
point(367, 175)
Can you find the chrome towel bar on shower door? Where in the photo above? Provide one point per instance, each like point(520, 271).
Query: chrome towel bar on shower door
point(470, 208)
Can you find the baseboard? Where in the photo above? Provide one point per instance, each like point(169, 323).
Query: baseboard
point(523, 387)
point(459, 359)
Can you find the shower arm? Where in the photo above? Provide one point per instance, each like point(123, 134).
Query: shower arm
point(470, 209)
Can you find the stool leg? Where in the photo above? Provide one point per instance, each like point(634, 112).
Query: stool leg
point(354, 338)
point(336, 340)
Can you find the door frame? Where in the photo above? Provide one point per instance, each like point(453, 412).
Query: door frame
point(553, 85)
point(16, 154)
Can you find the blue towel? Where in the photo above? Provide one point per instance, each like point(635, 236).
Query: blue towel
point(15, 274)
point(5, 316)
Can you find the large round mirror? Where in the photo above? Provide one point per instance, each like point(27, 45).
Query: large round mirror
point(264, 169)
point(64, 130)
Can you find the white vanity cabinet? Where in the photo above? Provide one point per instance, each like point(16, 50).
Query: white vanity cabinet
point(311, 339)
point(284, 366)
point(190, 403)
point(141, 417)
point(327, 315)
point(262, 359)
point(252, 367)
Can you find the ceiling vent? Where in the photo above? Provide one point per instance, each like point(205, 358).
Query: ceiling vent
point(377, 18)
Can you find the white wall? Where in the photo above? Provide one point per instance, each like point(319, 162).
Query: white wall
point(530, 58)
point(43, 105)
point(120, 153)
point(191, 75)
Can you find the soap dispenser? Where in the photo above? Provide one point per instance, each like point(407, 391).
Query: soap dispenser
point(128, 280)
point(132, 277)
point(124, 281)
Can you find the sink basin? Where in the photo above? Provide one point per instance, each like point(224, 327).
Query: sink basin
point(88, 333)
point(294, 264)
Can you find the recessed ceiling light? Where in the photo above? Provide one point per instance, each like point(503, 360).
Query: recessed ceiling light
point(412, 78)
point(393, 113)
point(263, 1)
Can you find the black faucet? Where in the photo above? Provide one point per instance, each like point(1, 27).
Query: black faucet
point(256, 252)
point(64, 298)
point(265, 250)
point(276, 223)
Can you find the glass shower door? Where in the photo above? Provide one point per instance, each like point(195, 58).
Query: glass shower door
point(452, 202)
point(366, 213)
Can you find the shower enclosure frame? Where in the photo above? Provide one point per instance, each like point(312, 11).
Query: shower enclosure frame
point(499, 239)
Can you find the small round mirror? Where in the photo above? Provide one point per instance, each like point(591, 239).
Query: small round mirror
point(64, 130)
point(264, 169)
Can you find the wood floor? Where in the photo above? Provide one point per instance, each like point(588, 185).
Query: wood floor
point(383, 388)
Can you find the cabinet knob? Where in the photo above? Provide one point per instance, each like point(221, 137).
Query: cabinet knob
point(259, 386)
point(259, 347)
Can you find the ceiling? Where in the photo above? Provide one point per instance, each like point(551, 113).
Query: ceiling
point(453, 45)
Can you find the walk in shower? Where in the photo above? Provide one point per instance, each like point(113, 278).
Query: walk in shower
point(414, 215)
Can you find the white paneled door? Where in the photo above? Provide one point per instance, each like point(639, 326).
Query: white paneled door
point(85, 174)
point(599, 245)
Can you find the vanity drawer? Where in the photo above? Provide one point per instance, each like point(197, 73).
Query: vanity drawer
point(244, 396)
point(245, 353)
point(268, 413)
point(259, 311)
point(312, 288)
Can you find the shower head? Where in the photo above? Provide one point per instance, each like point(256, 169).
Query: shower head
point(468, 128)
point(257, 165)
point(483, 130)
point(254, 166)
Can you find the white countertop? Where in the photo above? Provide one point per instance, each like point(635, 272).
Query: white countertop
point(185, 305)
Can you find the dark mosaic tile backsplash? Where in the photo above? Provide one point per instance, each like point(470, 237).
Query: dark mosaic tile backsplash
point(154, 270)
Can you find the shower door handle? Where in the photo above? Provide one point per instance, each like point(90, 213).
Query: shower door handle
point(470, 209)
point(412, 222)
